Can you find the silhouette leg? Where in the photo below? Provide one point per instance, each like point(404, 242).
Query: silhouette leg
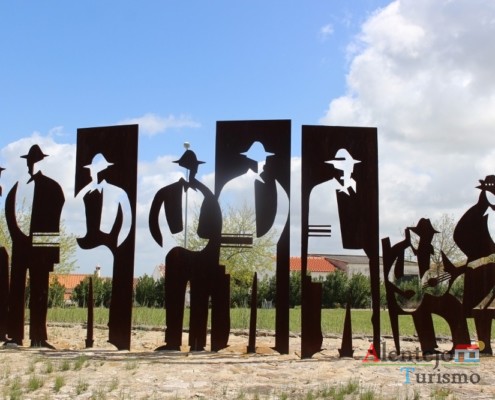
point(175, 289)
point(17, 304)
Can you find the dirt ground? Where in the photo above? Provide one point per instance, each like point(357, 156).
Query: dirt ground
point(71, 371)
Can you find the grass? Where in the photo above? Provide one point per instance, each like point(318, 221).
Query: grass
point(34, 383)
point(79, 362)
point(332, 320)
point(59, 383)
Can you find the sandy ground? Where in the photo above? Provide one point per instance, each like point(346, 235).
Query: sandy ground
point(72, 371)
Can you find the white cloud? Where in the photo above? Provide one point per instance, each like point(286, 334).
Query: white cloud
point(152, 124)
point(422, 72)
point(326, 31)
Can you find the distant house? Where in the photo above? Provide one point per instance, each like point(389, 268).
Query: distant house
point(70, 281)
point(353, 264)
point(158, 272)
point(319, 267)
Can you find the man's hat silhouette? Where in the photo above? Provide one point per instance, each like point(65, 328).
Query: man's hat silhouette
point(424, 227)
point(34, 154)
point(98, 163)
point(488, 184)
point(342, 156)
point(255, 150)
point(189, 160)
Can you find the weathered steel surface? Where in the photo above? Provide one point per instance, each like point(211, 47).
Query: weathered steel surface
point(324, 150)
point(200, 269)
point(106, 161)
point(235, 141)
point(90, 323)
point(346, 348)
point(251, 348)
point(37, 251)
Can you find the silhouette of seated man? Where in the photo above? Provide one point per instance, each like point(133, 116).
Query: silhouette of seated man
point(182, 266)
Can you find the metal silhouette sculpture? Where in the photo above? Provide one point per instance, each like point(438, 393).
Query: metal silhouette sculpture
point(251, 348)
point(182, 266)
point(346, 156)
point(37, 251)
point(433, 293)
point(472, 235)
point(235, 141)
point(474, 238)
point(90, 301)
point(106, 179)
point(346, 349)
point(4, 284)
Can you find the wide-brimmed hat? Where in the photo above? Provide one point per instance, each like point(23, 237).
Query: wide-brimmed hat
point(34, 154)
point(98, 163)
point(257, 150)
point(424, 227)
point(188, 160)
point(487, 184)
point(342, 156)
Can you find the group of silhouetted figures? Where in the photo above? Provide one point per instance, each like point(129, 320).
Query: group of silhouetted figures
point(472, 236)
point(110, 221)
point(106, 193)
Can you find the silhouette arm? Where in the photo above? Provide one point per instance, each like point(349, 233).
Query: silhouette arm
point(125, 215)
point(154, 217)
point(10, 215)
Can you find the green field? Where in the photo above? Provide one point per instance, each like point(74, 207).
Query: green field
point(332, 320)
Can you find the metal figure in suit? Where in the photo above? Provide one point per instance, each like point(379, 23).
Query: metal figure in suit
point(182, 266)
point(107, 193)
point(36, 251)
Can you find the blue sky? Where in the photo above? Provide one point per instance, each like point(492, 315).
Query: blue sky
point(93, 63)
point(421, 71)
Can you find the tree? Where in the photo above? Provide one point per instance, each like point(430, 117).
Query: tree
point(56, 293)
point(68, 244)
point(240, 262)
point(102, 291)
point(150, 293)
point(267, 290)
point(359, 291)
point(335, 290)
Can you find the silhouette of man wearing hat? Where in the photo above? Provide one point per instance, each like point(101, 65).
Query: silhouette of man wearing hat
point(108, 223)
point(199, 268)
point(434, 296)
point(472, 232)
point(474, 237)
point(323, 209)
point(4, 284)
point(270, 201)
point(36, 251)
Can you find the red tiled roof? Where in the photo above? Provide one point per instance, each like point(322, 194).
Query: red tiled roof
point(315, 264)
point(70, 281)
